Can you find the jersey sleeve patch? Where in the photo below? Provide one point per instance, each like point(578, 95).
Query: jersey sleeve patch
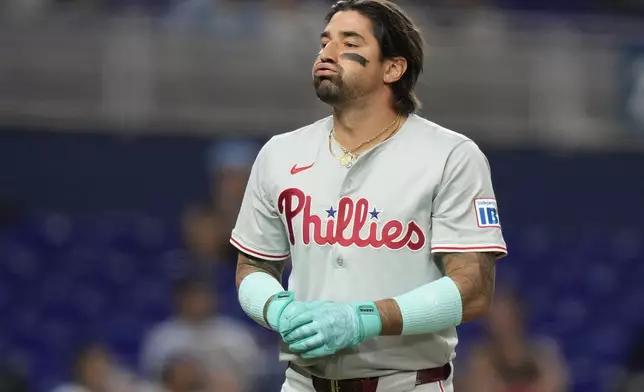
point(487, 214)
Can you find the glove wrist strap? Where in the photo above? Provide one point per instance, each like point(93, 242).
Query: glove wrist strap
point(276, 307)
point(370, 319)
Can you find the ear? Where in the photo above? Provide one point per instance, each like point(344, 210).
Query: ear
point(394, 69)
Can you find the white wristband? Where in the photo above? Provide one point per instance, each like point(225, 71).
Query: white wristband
point(254, 291)
point(431, 308)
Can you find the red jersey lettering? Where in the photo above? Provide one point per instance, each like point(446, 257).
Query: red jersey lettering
point(352, 217)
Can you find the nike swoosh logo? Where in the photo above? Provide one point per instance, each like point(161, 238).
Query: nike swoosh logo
point(295, 169)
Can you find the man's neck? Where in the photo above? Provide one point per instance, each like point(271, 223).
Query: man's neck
point(356, 124)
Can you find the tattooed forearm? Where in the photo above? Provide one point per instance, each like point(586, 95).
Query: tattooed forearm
point(246, 265)
point(474, 275)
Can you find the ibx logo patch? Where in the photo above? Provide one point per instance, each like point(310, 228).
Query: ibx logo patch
point(487, 214)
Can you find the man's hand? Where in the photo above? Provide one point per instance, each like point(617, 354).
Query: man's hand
point(331, 327)
point(282, 308)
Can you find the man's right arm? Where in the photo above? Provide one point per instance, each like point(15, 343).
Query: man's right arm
point(261, 239)
point(247, 265)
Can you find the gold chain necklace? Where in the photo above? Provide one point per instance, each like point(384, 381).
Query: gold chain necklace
point(349, 156)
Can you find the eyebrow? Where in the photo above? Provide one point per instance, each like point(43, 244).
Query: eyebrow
point(344, 34)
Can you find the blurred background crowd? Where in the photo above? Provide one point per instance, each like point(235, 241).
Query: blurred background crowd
point(127, 129)
point(161, 7)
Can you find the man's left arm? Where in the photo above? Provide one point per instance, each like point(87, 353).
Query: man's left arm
point(463, 294)
point(473, 275)
point(466, 240)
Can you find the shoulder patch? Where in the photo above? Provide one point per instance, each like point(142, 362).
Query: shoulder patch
point(487, 214)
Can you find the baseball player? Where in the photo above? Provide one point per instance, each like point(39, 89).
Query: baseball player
point(390, 222)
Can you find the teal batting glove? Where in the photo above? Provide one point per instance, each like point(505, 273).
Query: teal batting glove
point(283, 308)
point(332, 327)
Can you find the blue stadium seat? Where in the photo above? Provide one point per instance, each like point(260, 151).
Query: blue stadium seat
point(64, 279)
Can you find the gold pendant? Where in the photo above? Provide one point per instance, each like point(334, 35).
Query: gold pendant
point(346, 160)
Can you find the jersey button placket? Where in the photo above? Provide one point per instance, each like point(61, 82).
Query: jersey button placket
point(333, 366)
point(337, 259)
point(347, 184)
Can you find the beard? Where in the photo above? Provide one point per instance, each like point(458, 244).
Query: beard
point(331, 89)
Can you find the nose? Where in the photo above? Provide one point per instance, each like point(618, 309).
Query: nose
point(329, 54)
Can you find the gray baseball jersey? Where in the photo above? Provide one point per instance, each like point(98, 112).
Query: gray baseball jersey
point(367, 232)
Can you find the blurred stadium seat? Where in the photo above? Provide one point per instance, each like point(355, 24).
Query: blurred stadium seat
point(73, 277)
